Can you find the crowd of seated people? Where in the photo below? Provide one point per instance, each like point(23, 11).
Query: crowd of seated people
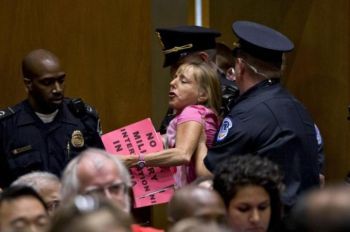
point(243, 195)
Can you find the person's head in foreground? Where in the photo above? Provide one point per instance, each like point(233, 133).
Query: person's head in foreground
point(197, 225)
point(46, 184)
point(198, 202)
point(95, 172)
point(90, 214)
point(22, 209)
point(250, 187)
point(322, 210)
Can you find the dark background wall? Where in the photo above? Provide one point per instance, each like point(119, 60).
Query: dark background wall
point(103, 45)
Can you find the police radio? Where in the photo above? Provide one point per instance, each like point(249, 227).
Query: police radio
point(77, 107)
point(229, 95)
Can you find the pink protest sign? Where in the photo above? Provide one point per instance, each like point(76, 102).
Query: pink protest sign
point(151, 185)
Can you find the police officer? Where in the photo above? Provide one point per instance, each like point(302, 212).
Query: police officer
point(267, 120)
point(184, 44)
point(46, 130)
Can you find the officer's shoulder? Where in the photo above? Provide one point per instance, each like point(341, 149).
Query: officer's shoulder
point(8, 112)
point(80, 108)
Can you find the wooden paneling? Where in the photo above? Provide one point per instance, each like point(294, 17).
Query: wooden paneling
point(318, 68)
point(104, 46)
point(165, 13)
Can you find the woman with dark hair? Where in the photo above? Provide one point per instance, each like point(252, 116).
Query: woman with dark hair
point(250, 187)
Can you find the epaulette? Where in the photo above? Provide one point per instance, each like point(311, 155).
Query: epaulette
point(4, 113)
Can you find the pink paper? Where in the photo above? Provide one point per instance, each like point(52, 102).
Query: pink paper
point(151, 185)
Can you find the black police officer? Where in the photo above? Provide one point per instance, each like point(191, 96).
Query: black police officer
point(267, 120)
point(46, 130)
point(184, 44)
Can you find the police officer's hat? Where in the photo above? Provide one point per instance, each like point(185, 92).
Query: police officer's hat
point(261, 41)
point(178, 42)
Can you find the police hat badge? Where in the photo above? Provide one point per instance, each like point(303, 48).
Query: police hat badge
point(77, 139)
point(178, 42)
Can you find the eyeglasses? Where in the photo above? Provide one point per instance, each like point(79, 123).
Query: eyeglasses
point(52, 205)
point(115, 189)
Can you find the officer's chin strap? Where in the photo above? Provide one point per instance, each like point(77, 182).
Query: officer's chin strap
point(255, 70)
point(270, 79)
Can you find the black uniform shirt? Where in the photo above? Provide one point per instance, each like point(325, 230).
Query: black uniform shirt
point(268, 121)
point(28, 144)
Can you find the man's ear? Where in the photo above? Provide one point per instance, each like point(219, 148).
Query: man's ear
point(204, 56)
point(27, 84)
point(239, 67)
point(231, 74)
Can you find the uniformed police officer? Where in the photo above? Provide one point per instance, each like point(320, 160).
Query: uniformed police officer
point(267, 120)
point(185, 44)
point(46, 130)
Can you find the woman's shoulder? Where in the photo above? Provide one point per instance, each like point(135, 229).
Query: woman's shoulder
point(201, 109)
point(196, 113)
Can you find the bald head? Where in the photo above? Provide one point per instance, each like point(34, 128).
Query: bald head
point(38, 62)
point(92, 165)
point(44, 80)
point(194, 201)
point(325, 210)
point(96, 172)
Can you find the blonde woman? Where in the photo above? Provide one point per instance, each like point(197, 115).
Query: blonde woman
point(195, 96)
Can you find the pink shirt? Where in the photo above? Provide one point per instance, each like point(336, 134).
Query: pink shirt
point(209, 120)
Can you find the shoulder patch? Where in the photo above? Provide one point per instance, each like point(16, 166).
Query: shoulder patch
point(4, 113)
point(90, 110)
point(224, 129)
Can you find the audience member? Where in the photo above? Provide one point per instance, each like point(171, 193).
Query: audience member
point(325, 210)
point(266, 119)
point(198, 202)
point(90, 214)
point(195, 96)
point(95, 172)
point(45, 131)
point(250, 187)
point(22, 209)
point(204, 181)
point(46, 184)
point(197, 225)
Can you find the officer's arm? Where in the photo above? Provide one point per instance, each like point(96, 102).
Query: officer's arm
point(232, 139)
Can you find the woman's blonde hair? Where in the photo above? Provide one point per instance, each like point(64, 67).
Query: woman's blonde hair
point(208, 81)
